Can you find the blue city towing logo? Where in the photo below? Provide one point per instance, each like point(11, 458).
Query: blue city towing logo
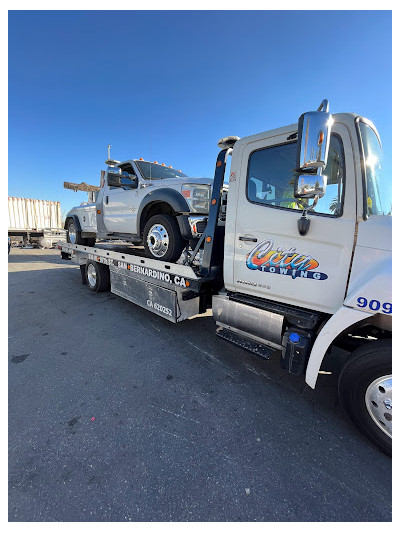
point(279, 261)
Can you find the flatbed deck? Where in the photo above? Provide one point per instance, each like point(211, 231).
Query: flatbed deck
point(173, 291)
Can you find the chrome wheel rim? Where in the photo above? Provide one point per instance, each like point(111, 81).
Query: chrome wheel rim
point(378, 399)
point(72, 233)
point(158, 240)
point(91, 275)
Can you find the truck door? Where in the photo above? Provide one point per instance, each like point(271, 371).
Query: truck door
point(271, 259)
point(120, 205)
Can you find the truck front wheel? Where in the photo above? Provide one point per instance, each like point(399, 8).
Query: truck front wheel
point(162, 238)
point(365, 391)
point(97, 276)
point(73, 234)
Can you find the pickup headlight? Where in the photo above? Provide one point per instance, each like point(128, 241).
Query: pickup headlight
point(197, 196)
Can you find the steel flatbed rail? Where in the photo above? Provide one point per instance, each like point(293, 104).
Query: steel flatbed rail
point(170, 290)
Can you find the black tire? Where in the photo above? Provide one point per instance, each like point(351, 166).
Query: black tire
point(97, 276)
point(170, 233)
point(367, 364)
point(90, 241)
point(74, 231)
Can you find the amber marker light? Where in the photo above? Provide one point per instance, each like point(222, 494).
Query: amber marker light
point(141, 159)
point(98, 211)
point(156, 162)
point(187, 284)
point(219, 163)
point(320, 138)
point(214, 201)
point(208, 239)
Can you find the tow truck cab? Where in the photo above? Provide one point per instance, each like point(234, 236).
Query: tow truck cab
point(267, 257)
point(307, 258)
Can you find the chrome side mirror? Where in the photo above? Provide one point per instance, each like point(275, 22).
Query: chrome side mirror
point(310, 186)
point(114, 179)
point(314, 131)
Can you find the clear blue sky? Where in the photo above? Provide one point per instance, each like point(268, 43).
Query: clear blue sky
point(79, 80)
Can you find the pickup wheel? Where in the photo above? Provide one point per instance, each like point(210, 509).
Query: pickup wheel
point(162, 238)
point(73, 234)
point(365, 391)
point(97, 276)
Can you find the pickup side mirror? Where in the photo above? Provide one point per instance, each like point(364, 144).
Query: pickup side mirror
point(113, 179)
point(122, 179)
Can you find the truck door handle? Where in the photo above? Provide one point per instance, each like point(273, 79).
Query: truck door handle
point(106, 199)
point(247, 239)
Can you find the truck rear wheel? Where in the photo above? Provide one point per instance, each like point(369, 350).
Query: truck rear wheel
point(365, 391)
point(97, 276)
point(162, 238)
point(73, 234)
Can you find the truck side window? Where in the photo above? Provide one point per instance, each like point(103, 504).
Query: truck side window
point(128, 176)
point(271, 178)
point(127, 179)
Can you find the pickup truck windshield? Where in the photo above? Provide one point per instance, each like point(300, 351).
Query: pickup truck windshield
point(379, 187)
point(158, 172)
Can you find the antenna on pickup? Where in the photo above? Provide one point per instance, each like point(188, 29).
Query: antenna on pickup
point(151, 142)
point(109, 161)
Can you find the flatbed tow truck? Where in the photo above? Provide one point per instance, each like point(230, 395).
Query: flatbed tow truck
point(266, 296)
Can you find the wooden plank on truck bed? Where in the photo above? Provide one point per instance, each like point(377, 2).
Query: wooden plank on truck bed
point(81, 186)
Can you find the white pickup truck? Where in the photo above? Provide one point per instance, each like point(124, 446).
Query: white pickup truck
point(143, 202)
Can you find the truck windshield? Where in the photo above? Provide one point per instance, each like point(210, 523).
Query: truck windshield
point(379, 186)
point(158, 172)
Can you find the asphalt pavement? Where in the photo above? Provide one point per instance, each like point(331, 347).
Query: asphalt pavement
point(116, 414)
